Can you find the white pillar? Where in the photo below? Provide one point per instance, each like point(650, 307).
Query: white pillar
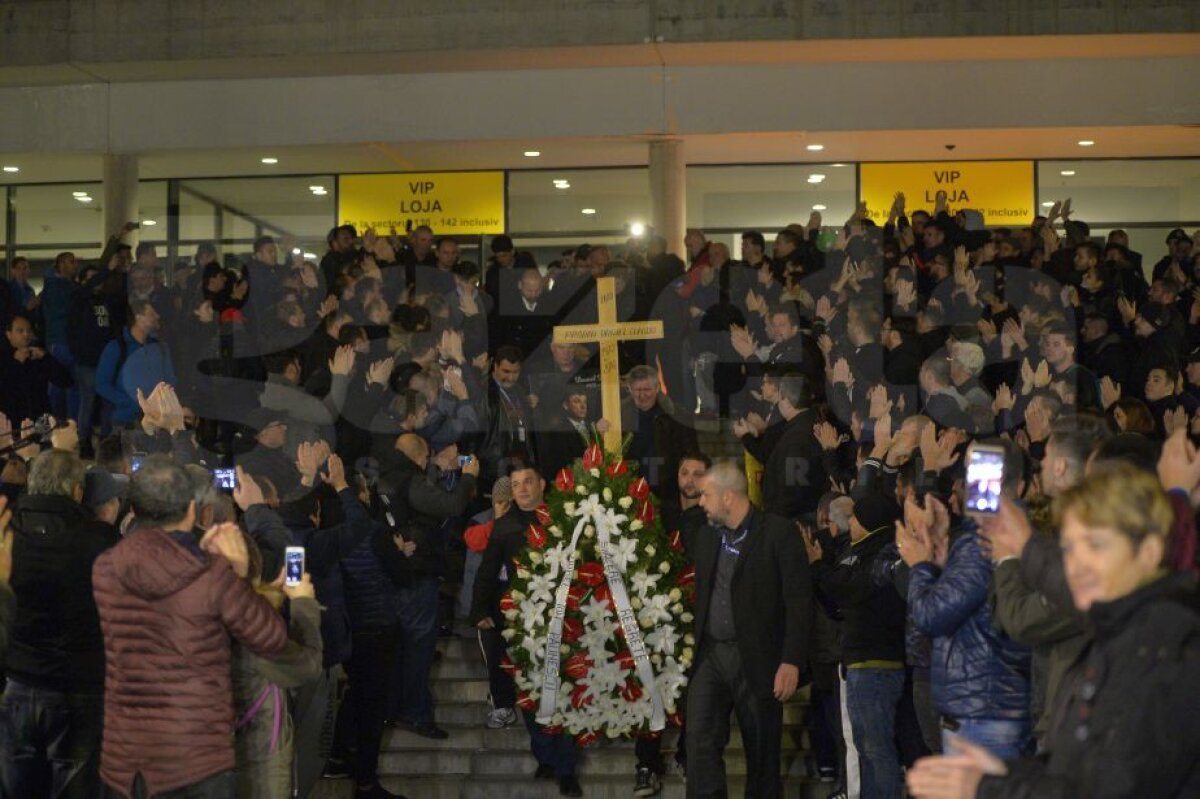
point(668, 192)
point(120, 194)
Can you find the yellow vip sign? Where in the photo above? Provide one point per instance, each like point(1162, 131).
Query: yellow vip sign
point(452, 203)
point(1003, 191)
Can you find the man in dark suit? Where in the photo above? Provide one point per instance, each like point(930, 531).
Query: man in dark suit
point(567, 433)
point(793, 475)
point(753, 620)
point(659, 439)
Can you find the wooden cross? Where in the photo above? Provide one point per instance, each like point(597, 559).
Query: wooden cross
point(609, 333)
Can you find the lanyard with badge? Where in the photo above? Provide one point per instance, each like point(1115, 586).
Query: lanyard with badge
point(513, 408)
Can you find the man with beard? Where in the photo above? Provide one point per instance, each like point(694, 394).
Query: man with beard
point(134, 361)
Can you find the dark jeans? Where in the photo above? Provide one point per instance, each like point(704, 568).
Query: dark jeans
point(89, 403)
point(500, 683)
point(371, 656)
point(719, 688)
point(218, 786)
point(556, 751)
point(872, 696)
point(50, 743)
point(411, 699)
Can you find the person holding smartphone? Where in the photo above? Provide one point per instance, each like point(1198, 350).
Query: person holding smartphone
point(980, 677)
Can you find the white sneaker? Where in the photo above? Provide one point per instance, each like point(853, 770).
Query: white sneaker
point(501, 717)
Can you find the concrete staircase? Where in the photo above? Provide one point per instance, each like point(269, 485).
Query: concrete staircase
point(478, 763)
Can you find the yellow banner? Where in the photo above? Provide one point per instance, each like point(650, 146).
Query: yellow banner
point(1003, 191)
point(451, 203)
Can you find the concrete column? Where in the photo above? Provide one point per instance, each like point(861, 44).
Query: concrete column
point(668, 192)
point(120, 194)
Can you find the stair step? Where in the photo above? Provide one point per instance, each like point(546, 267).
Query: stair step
point(459, 668)
point(601, 761)
point(475, 736)
point(460, 690)
point(426, 761)
point(609, 787)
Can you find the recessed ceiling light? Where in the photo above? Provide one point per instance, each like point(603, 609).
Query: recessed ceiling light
point(12, 169)
point(319, 192)
point(1086, 142)
point(637, 229)
point(838, 165)
point(316, 188)
point(818, 207)
point(815, 178)
point(532, 153)
point(1066, 173)
point(562, 184)
point(1048, 204)
point(815, 148)
point(79, 194)
point(84, 199)
point(310, 256)
point(296, 251)
point(149, 222)
point(588, 211)
point(269, 160)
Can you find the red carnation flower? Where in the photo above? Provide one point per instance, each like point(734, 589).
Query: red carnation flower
point(631, 691)
point(577, 665)
point(575, 595)
point(571, 630)
point(578, 699)
point(639, 489)
point(618, 468)
point(645, 513)
point(590, 573)
point(585, 739)
point(565, 479)
point(593, 457)
point(535, 536)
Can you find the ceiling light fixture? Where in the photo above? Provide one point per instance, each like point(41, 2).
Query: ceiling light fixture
point(270, 161)
point(1048, 204)
point(532, 153)
point(79, 194)
point(588, 211)
point(12, 169)
point(637, 229)
point(319, 192)
point(837, 165)
point(818, 207)
point(1066, 173)
point(316, 188)
point(296, 251)
point(149, 222)
point(310, 256)
point(1086, 142)
point(815, 148)
point(84, 199)
point(815, 178)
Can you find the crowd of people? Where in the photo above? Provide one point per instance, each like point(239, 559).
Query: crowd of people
point(952, 490)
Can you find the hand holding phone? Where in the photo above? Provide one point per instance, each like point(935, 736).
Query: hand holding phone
point(225, 479)
point(293, 566)
point(985, 479)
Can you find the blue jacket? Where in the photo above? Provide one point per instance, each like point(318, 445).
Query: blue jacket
point(145, 367)
point(976, 672)
point(56, 302)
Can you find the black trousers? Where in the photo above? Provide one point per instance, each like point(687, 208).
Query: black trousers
point(368, 672)
point(717, 690)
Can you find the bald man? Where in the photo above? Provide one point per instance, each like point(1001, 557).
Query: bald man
point(419, 507)
point(753, 620)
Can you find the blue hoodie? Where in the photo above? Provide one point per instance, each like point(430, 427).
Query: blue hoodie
point(145, 367)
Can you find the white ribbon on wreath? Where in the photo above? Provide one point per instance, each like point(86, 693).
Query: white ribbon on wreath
point(607, 526)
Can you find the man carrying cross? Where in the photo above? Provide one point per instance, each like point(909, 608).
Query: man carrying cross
point(659, 440)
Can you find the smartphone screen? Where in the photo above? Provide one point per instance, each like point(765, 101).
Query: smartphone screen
point(294, 559)
point(225, 478)
point(135, 461)
point(985, 476)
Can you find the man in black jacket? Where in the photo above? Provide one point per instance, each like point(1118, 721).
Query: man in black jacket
point(794, 476)
point(556, 755)
point(872, 640)
point(26, 374)
point(53, 706)
point(753, 620)
point(659, 439)
point(566, 434)
point(422, 505)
